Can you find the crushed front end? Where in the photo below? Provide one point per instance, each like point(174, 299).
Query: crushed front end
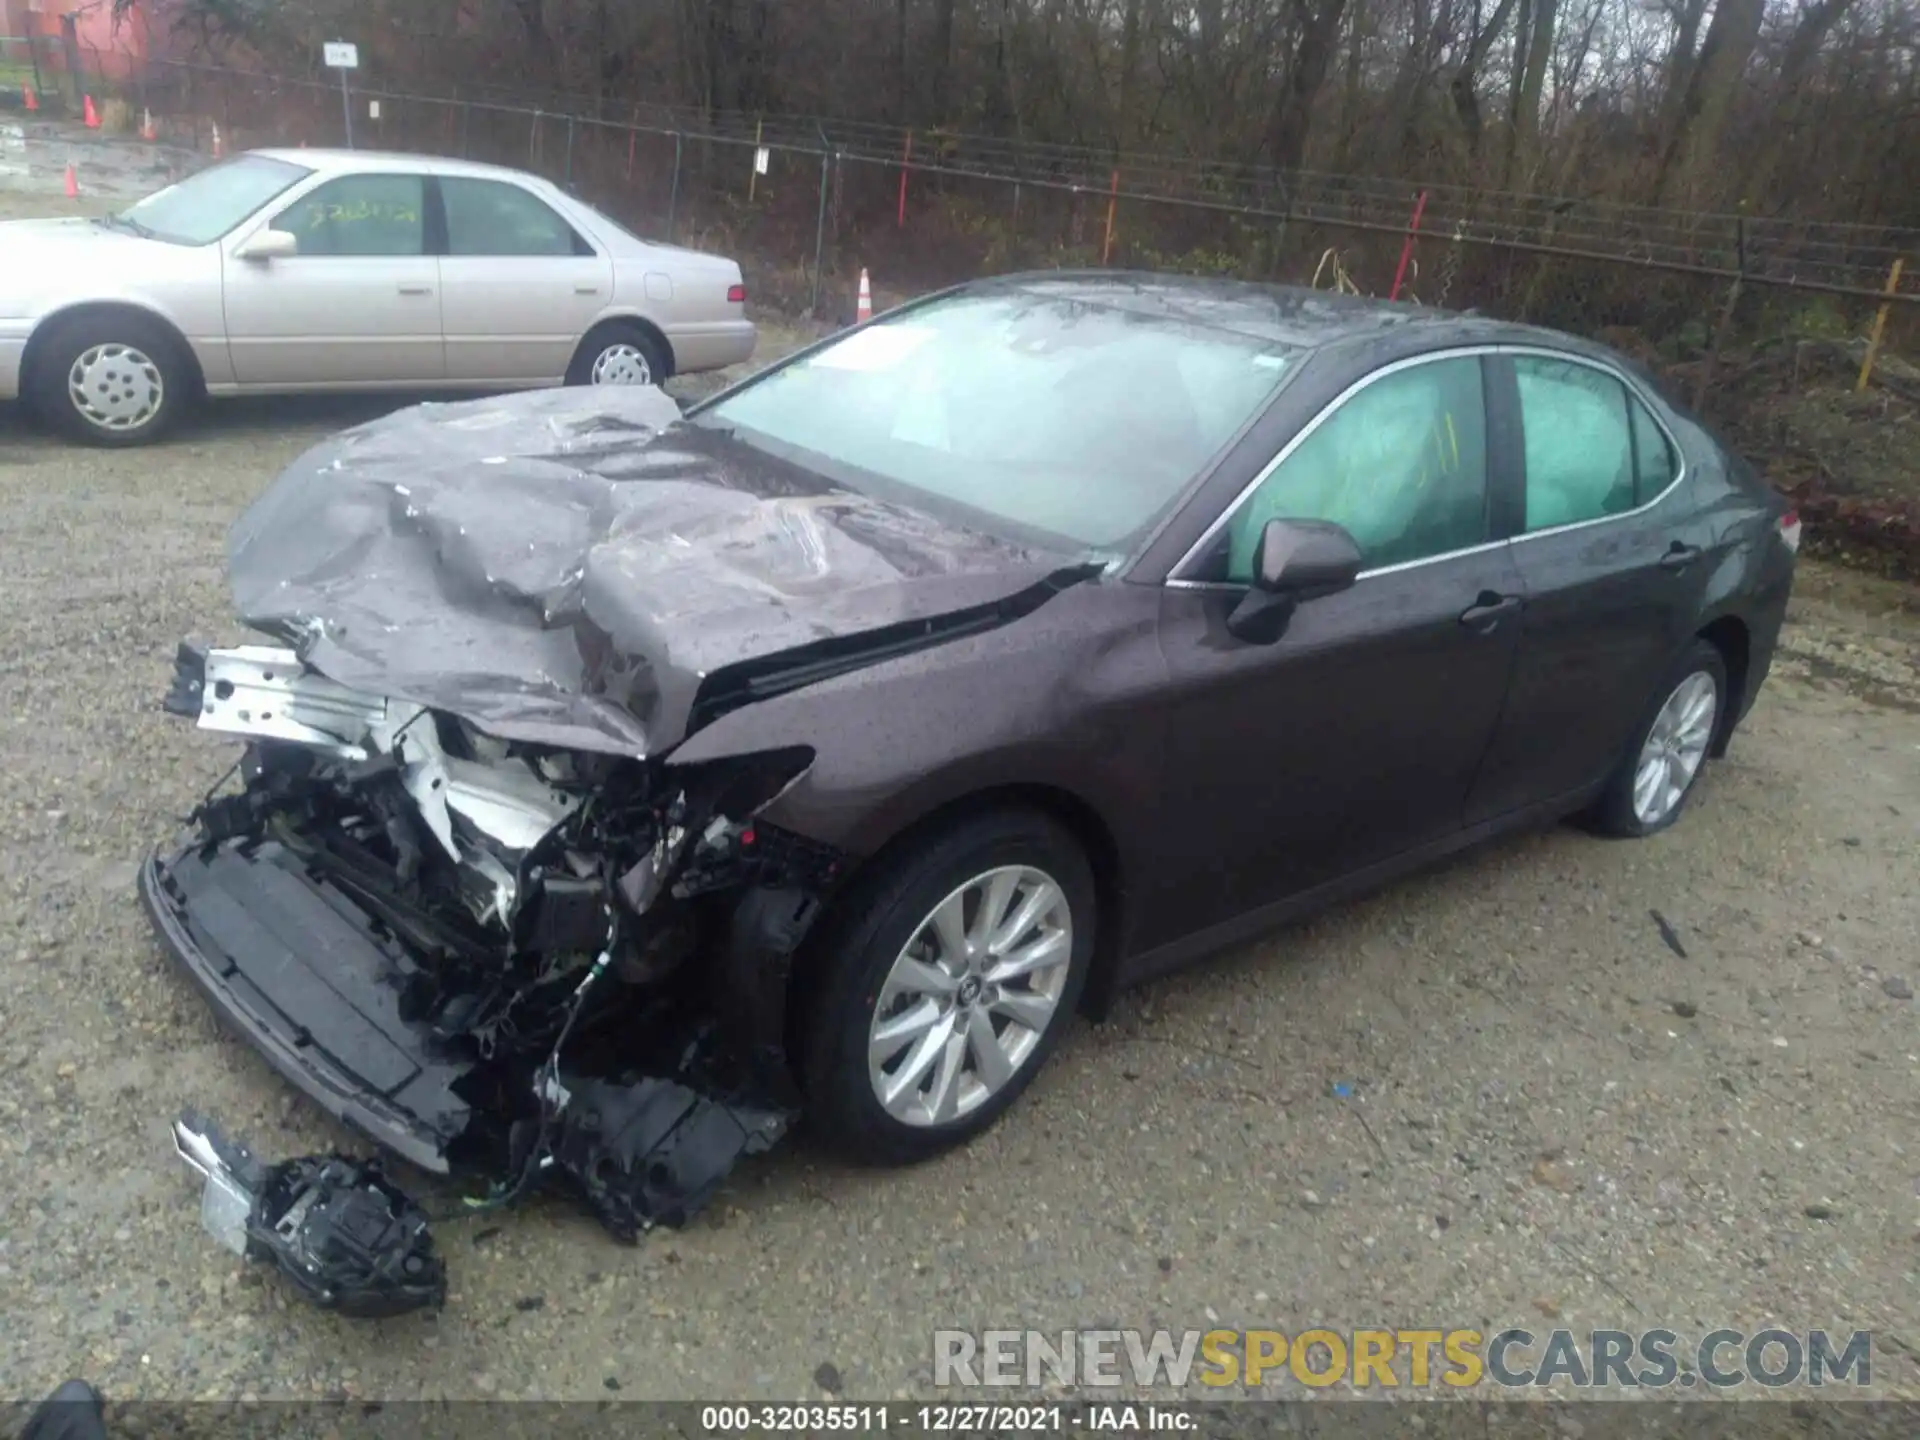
point(494, 957)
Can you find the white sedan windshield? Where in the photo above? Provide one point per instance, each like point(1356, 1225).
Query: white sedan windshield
point(203, 207)
point(1060, 417)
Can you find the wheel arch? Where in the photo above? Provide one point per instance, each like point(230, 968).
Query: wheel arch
point(1730, 635)
point(50, 324)
point(628, 319)
point(1071, 811)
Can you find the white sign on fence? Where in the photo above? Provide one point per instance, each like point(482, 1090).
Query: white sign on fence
point(373, 109)
point(760, 159)
point(341, 56)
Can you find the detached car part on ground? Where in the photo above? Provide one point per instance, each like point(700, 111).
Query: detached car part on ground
point(618, 785)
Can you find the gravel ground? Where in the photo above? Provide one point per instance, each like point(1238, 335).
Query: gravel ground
point(1553, 1113)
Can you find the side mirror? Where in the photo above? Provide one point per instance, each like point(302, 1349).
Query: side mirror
point(1305, 558)
point(267, 245)
point(1296, 560)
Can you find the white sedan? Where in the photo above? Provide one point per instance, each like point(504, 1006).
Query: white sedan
point(306, 270)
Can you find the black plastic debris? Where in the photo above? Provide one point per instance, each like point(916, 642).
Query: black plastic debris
point(649, 1151)
point(346, 1237)
point(1668, 934)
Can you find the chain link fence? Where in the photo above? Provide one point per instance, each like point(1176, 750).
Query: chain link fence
point(806, 203)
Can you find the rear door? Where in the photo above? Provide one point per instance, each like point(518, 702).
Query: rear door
point(1356, 735)
point(1615, 559)
point(359, 303)
point(521, 285)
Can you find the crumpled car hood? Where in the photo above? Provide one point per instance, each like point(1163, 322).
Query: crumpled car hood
point(570, 567)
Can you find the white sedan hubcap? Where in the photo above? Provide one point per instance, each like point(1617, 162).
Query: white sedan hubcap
point(116, 387)
point(622, 365)
point(970, 996)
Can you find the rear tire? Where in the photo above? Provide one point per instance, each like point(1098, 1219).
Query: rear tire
point(894, 1050)
point(1663, 764)
point(111, 380)
point(620, 352)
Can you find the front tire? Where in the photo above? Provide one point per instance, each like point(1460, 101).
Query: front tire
point(946, 984)
point(1664, 762)
point(111, 380)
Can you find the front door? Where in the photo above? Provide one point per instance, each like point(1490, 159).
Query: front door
point(521, 285)
point(1615, 561)
point(1355, 736)
point(358, 305)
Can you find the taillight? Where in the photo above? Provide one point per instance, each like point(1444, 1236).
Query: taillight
point(736, 294)
point(1790, 530)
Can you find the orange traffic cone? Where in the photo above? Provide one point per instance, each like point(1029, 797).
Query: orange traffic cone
point(149, 131)
point(863, 310)
point(218, 148)
point(73, 183)
point(89, 114)
point(33, 100)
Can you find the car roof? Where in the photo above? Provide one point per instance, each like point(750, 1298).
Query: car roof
point(341, 161)
point(1296, 316)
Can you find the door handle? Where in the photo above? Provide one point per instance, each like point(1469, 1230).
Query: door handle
point(416, 289)
point(1489, 610)
point(586, 289)
point(1679, 557)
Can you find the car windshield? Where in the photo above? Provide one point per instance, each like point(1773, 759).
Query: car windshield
point(203, 207)
point(1042, 417)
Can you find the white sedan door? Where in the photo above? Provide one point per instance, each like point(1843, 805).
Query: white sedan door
point(358, 305)
point(520, 285)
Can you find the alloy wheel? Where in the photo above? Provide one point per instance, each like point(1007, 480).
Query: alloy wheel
point(1675, 748)
point(970, 996)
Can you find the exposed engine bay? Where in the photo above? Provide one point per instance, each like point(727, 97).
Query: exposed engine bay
point(495, 957)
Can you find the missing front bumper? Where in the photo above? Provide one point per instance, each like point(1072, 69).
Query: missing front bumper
point(298, 969)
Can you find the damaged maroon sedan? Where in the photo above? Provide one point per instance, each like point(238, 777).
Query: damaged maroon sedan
point(619, 784)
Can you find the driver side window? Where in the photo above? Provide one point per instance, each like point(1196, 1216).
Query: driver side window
point(1401, 465)
point(360, 216)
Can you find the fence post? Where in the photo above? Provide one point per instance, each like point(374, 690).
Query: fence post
point(1725, 327)
point(673, 195)
point(906, 162)
point(1879, 325)
point(70, 45)
point(753, 169)
point(569, 152)
point(466, 128)
point(1406, 250)
point(33, 59)
point(1113, 202)
point(820, 232)
point(533, 140)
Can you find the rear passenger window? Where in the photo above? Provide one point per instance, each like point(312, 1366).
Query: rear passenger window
point(1580, 442)
point(486, 217)
point(1655, 464)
